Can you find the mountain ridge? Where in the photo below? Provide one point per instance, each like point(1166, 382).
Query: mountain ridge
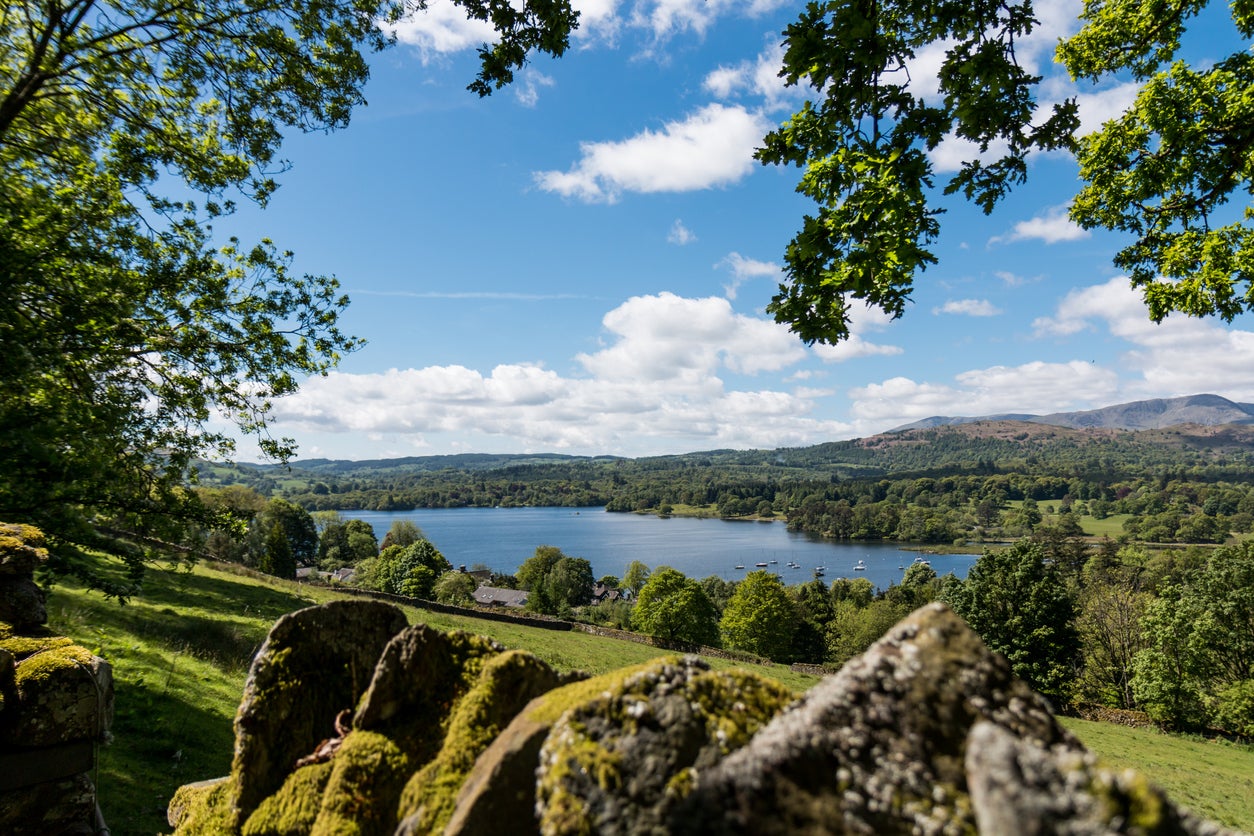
point(1150, 414)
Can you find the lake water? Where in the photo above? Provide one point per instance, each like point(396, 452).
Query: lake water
point(502, 538)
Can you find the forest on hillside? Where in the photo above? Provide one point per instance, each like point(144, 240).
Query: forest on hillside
point(969, 482)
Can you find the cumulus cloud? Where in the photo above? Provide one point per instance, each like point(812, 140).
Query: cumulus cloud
point(667, 18)
point(655, 387)
point(680, 234)
point(1179, 356)
point(668, 337)
point(1052, 227)
point(758, 77)
point(1035, 387)
point(442, 28)
point(743, 269)
point(1141, 359)
point(968, 307)
point(712, 147)
point(861, 322)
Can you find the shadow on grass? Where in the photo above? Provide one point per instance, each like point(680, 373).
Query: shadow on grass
point(162, 739)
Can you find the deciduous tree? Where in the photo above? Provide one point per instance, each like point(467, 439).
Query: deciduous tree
point(673, 606)
point(760, 618)
point(1020, 605)
point(124, 325)
point(1162, 173)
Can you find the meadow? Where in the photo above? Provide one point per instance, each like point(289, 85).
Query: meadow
point(180, 653)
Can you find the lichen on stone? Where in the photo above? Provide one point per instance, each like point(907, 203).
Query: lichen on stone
point(617, 762)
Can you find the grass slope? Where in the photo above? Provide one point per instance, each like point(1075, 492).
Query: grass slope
point(180, 653)
point(1214, 778)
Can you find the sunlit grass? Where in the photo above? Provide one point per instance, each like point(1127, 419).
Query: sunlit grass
point(1214, 778)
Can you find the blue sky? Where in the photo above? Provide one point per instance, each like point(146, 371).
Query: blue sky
point(580, 263)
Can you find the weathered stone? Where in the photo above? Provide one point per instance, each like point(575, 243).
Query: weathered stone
point(879, 747)
point(1020, 788)
point(498, 796)
point(55, 808)
point(419, 675)
point(619, 763)
point(62, 694)
point(315, 663)
point(22, 602)
point(505, 685)
point(22, 549)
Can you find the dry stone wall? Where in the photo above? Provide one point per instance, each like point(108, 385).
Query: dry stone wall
point(56, 704)
point(927, 733)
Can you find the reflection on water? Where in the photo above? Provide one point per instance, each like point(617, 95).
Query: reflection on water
point(502, 538)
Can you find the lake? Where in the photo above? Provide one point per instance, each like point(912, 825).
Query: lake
point(502, 538)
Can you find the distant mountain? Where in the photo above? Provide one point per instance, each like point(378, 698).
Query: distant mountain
point(1156, 414)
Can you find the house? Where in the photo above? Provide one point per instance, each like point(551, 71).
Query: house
point(492, 596)
point(602, 593)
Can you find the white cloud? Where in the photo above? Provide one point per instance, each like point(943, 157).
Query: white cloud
point(861, 322)
point(680, 235)
point(968, 307)
point(667, 18)
point(954, 150)
point(1035, 387)
point(527, 86)
point(1051, 227)
point(743, 269)
point(442, 28)
point(712, 147)
point(668, 337)
point(654, 388)
point(759, 77)
point(1179, 356)
point(1102, 106)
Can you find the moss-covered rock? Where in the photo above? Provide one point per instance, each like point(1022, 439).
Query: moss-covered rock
point(618, 763)
point(62, 694)
point(294, 808)
point(498, 796)
point(54, 807)
point(202, 809)
point(419, 676)
point(367, 774)
point(22, 602)
point(8, 681)
point(22, 549)
point(315, 663)
point(505, 685)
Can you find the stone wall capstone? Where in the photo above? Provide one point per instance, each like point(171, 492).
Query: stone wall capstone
point(928, 732)
point(56, 705)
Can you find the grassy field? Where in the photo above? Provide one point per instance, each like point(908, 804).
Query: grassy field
point(180, 653)
point(1214, 778)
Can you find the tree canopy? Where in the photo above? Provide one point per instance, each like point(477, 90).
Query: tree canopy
point(673, 606)
point(1162, 172)
point(126, 128)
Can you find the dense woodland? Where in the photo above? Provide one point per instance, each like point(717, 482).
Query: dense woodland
point(982, 481)
point(1115, 570)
